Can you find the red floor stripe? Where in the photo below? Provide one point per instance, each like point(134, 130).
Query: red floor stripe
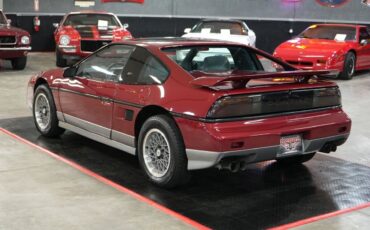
point(320, 217)
point(110, 183)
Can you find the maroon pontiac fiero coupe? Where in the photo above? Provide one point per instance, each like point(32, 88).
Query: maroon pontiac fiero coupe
point(14, 43)
point(183, 105)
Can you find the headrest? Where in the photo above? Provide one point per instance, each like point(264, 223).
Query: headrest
point(216, 64)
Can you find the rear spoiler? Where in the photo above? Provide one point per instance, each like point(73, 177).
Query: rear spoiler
point(239, 81)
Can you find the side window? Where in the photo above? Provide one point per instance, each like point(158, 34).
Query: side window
point(245, 59)
point(269, 65)
point(107, 64)
point(364, 33)
point(144, 69)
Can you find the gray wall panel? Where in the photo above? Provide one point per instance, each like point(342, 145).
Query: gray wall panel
point(253, 9)
point(353, 11)
point(234, 8)
point(151, 7)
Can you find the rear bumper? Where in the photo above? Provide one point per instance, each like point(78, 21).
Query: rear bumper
point(198, 159)
point(259, 139)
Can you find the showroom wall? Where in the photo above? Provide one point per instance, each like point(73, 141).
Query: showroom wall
point(271, 19)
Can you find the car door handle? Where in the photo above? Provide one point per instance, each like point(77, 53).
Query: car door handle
point(106, 100)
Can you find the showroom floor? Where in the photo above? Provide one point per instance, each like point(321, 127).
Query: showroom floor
point(39, 191)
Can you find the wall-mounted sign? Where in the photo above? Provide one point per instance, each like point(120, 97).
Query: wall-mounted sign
point(332, 3)
point(366, 2)
point(36, 5)
point(133, 1)
point(84, 3)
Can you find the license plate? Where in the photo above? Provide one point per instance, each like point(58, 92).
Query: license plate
point(290, 145)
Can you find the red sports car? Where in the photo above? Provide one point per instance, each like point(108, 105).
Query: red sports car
point(345, 48)
point(81, 33)
point(183, 105)
point(14, 43)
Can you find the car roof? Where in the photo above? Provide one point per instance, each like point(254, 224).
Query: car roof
point(165, 42)
point(340, 25)
point(221, 20)
point(90, 12)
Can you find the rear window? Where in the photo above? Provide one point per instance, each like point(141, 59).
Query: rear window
point(219, 27)
point(221, 59)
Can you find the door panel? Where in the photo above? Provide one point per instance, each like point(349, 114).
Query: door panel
point(88, 106)
point(363, 59)
point(87, 99)
point(363, 52)
point(128, 103)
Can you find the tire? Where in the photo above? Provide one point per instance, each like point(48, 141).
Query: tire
point(163, 129)
point(44, 112)
point(294, 160)
point(19, 63)
point(349, 66)
point(60, 61)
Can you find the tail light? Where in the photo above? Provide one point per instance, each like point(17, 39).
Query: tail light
point(274, 103)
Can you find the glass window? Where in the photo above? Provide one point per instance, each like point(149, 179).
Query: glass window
point(107, 64)
point(221, 59)
point(144, 69)
point(364, 33)
point(341, 33)
point(218, 27)
point(270, 65)
point(91, 20)
point(2, 18)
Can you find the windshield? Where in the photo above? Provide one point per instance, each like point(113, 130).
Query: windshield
point(211, 59)
point(91, 20)
point(219, 27)
point(339, 33)
point(2, 18)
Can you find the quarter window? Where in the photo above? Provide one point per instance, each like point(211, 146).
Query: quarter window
point(144, 69)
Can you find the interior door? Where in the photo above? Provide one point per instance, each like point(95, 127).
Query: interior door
point(87, 99)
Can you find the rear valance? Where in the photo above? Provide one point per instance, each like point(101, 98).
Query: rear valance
point(240, 80)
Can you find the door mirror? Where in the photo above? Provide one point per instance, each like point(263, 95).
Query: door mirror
point(187, 30)
point(56, 25)
point(70, 72)
point(126, 25)
point(363, 42)
point(8, 22)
